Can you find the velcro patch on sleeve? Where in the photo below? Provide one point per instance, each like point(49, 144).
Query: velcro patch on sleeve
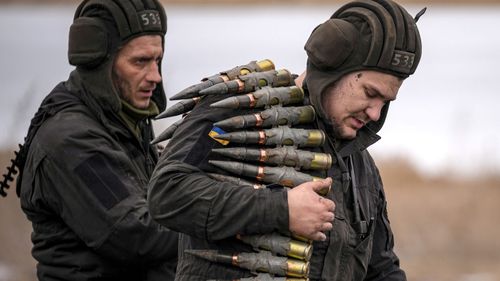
point(102, 180)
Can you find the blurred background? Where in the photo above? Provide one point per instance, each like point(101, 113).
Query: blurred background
point(439, 154)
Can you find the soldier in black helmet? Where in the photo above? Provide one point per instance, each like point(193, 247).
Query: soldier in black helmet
point(218, 181)
point(87, 157)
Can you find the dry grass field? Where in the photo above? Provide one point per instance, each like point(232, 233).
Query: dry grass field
point(445, 229)
point(16, 263)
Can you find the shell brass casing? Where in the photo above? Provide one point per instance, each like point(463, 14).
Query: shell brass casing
point(282, 135)
point(286, 155)
point(253, 66)
point(268, 277)
point(264, 261)
point(279, 245)
point(285, 176)
point(267, 96)
point(251, 82)
point(274, 116)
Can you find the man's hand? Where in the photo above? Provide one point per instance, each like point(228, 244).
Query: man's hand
point(310, 215)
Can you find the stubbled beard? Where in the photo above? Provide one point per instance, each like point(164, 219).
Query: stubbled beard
point(336, 130)
point(333, 128)
point(121, 86)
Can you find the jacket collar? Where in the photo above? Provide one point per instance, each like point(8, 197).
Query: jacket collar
point(364, 138)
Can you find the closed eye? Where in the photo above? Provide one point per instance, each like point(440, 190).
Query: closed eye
point(373, 93)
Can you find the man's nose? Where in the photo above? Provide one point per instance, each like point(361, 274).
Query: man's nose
point(153, 74)
point(373, 111)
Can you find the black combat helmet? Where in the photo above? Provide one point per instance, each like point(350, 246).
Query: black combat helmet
point(361, 35)
point(99, 29)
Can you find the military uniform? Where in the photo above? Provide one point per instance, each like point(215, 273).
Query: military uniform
point(84, 190)
point(210, 213)
point(86, 163)
point(361, 35)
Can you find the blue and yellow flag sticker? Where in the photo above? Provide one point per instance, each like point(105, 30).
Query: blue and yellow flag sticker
point(215, 132)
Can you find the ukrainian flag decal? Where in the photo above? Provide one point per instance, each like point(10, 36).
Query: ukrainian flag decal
point(215, 132)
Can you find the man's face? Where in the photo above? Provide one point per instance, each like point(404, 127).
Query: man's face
point(136, 70)
point(357, 98)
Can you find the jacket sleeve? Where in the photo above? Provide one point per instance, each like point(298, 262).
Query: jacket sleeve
point(183, 198)
point(89, 180)
point(384, 264)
